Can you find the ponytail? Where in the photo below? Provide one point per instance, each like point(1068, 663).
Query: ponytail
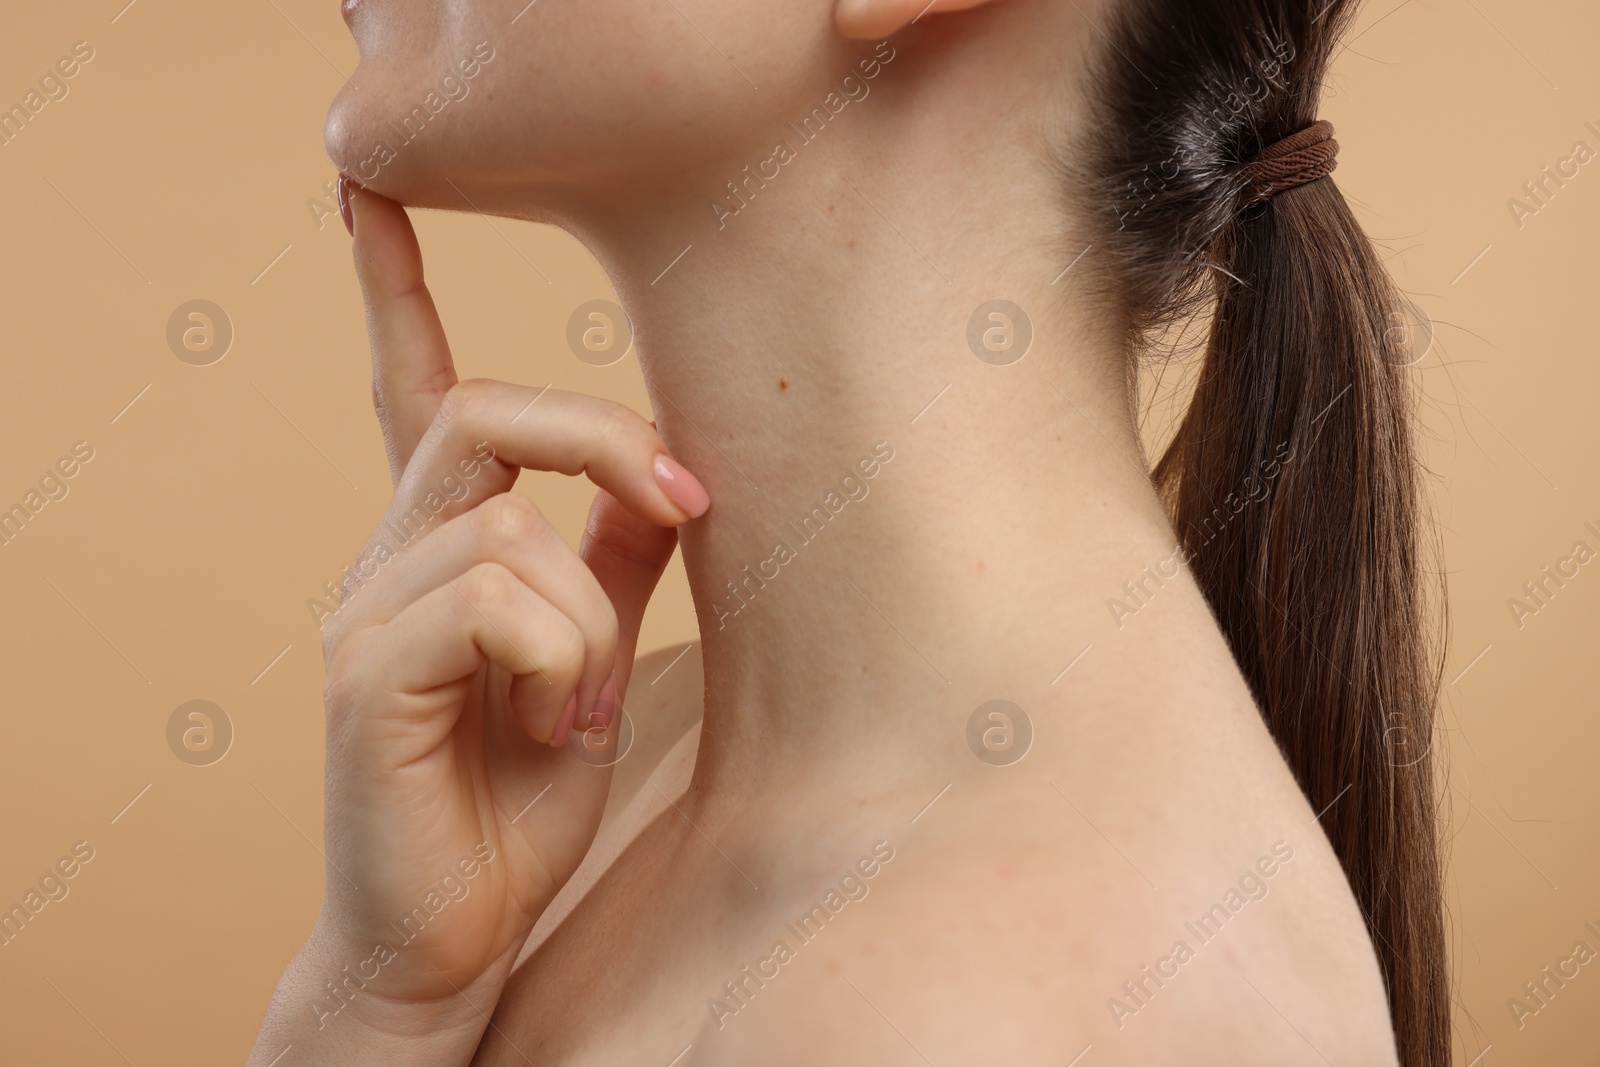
point(1302, 411)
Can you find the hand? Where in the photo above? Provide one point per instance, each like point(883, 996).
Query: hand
point(470, 642)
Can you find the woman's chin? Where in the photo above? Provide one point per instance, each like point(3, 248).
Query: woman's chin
point(341, 129)
point(421, 167)
point(365, 148)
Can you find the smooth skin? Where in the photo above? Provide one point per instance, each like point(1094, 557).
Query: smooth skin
point(829, 314)
point(456, 676)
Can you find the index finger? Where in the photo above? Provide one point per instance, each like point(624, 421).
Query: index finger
point(541, 429)
point(411, 365)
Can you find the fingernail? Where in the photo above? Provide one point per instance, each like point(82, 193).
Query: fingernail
point(346, 186)
point(564, 724)
point(605, 705)
point(681, 487)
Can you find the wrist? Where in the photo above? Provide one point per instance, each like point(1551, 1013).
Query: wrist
point(356, 996)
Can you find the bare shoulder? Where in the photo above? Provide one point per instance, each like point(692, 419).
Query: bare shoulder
point(996, 940)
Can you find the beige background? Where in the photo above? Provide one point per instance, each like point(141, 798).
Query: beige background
point(180, 166)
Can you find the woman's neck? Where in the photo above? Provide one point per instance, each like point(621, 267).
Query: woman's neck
point(900, 530)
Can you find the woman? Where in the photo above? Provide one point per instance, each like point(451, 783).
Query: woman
point(890, 264)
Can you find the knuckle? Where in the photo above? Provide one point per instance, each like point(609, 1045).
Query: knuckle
point(462, 400)
point(487, 587)
point(625, 428)
point(459, 408)
point(508, 521)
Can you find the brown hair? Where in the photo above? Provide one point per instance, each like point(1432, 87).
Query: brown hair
point(1314, 575)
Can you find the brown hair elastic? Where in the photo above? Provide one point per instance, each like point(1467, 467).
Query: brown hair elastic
point(1299, 158)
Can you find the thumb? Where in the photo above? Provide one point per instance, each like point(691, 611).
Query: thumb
point(627, 555)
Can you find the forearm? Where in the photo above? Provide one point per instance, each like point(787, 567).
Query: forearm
point(323, 1013)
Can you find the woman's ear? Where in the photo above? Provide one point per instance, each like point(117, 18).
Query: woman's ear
point(869, 19)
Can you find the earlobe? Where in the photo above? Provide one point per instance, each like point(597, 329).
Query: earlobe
point(871, 19)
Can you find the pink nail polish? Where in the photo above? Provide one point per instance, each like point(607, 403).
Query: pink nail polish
point(681, 487)
point(564, 724)
point(605, 705)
